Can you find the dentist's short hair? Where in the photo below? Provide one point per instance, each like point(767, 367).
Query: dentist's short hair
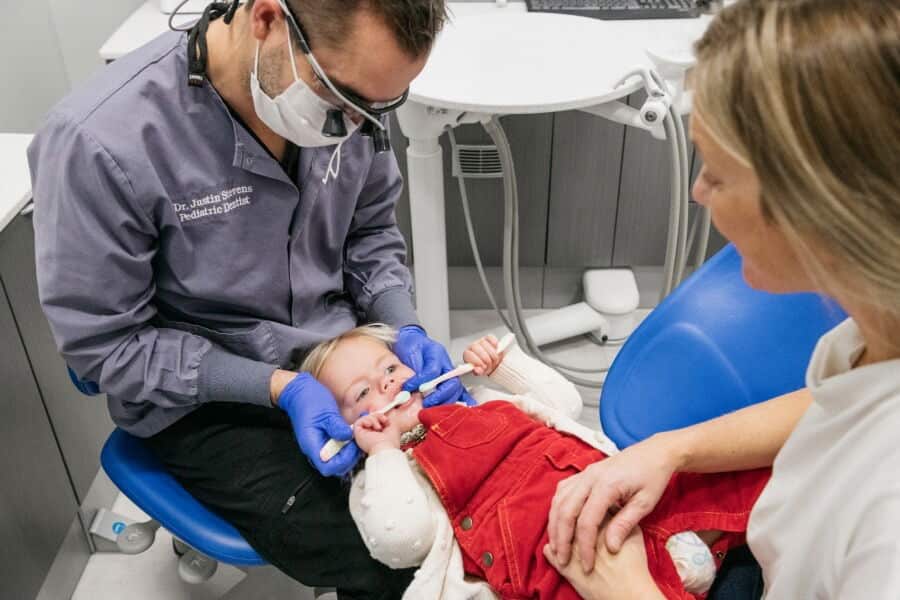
point(318, 356)
point(415, 23)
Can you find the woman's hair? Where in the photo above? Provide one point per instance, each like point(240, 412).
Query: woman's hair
point(316, 358)
point(807, 94)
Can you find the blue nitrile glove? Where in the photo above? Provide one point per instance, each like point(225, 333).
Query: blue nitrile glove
point(315, 417)
point(428, 359)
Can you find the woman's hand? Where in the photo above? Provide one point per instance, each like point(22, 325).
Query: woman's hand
point(630, 482)
point(374, 433)
point(483, 355)
point(614, 576)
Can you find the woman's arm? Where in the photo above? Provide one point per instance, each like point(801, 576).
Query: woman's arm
point(745, 439)
point(636, 478)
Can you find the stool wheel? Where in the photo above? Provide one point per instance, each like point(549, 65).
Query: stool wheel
point(194, 567)
point(137, 537)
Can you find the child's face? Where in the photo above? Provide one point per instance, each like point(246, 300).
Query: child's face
point(364, 375)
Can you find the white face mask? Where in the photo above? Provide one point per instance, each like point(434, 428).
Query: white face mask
point(298, 113)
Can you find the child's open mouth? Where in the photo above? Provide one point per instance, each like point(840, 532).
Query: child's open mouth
point(412, 398)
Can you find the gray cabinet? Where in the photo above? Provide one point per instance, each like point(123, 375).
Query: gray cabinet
point(81, 423)
point(51, 439)
point(584, 190)
point(37, 503)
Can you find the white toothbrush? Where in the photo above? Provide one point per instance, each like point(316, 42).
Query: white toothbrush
point(429, 386)
point(334, 446)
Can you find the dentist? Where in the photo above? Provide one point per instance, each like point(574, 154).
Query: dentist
point(207, 209)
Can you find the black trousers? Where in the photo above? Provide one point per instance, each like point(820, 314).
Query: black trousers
point(243, 463)
point(739, 578)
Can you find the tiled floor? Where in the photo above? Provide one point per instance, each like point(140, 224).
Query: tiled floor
point(153, 574)
point(150, 575)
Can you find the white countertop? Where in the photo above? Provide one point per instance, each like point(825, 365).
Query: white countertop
point(15, 186)
point(505, 60)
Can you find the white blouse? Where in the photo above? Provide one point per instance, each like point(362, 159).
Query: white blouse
point(828, 523)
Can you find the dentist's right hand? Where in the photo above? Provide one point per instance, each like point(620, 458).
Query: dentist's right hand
point(315, 418)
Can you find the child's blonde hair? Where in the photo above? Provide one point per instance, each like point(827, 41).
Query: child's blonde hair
point(316, 358)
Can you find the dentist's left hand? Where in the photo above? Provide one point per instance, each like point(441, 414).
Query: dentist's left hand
point(428, 359)
point(315, 418)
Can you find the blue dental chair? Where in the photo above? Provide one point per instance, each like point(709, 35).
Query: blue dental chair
point(713, 346)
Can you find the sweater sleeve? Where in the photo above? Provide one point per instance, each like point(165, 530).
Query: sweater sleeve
point(547, 396)
point(391, 510)
point(524, 375)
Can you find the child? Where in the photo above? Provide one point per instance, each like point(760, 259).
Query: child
point(464, 493)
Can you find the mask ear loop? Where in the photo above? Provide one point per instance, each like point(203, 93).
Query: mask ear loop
point(256, 63)
point(290, 54)
point(291, 50)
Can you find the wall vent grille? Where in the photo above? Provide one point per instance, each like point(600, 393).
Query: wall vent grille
point(477, 162)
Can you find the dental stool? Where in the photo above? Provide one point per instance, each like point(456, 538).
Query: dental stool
point(202, 537)
point(711, 347)
point(144, 481)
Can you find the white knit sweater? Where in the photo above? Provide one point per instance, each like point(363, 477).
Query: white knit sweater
point(401, 518)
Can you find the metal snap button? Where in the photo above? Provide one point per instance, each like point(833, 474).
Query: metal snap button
point(466, 523)
point(487, 558)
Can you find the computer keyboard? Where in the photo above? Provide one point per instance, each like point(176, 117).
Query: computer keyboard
point(618, 9)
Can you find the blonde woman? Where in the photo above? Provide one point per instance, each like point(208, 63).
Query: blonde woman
point(797, 116)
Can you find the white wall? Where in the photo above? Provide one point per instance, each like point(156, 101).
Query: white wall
point(49, 46)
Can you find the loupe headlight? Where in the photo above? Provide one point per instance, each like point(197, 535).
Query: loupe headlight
point(379, 135)
point(334, 124)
